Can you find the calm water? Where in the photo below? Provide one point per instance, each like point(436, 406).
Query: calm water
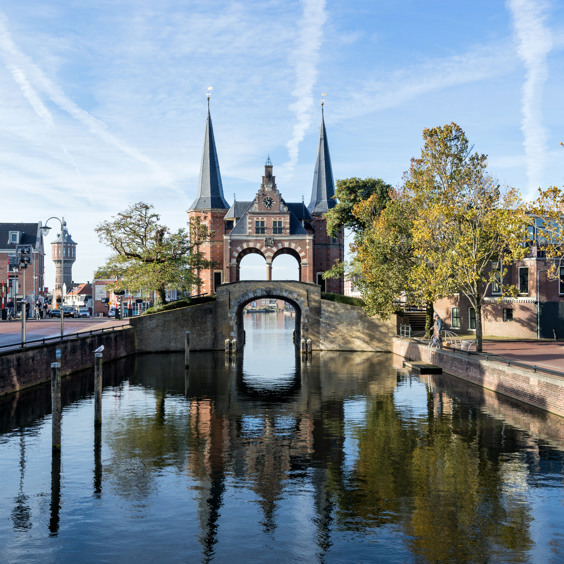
point(344, 458)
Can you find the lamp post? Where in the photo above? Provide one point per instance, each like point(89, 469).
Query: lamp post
point(45, 230)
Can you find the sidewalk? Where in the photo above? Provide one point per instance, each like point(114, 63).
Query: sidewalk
point(546, 354)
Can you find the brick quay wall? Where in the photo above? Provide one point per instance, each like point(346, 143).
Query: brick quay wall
point(28, 367)
point(538, 389)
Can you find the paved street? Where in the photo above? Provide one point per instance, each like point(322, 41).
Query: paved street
point(10, 331)
point(548, 354)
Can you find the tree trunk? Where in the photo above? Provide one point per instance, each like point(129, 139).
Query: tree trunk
point(429, 317)
point(161, 295)
point(478, 326)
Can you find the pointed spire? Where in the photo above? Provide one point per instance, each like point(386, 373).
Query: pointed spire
point(323, 188)
point(210, 188)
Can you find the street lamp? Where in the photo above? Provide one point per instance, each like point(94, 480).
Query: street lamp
point(45, 230)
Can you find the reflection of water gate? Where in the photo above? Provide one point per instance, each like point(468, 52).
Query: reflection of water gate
point(303, 297)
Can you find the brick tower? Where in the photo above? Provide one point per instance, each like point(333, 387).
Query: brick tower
point(210, 206)
point(328, 250)
point(63, 253)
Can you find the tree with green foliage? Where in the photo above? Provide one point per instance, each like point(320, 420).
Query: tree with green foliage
point(348, 193)
point(374, 193)
point(147, 255)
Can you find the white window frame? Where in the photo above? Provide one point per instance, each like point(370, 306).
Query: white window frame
point(470, 310)
point(519, 280)
point(452, 324)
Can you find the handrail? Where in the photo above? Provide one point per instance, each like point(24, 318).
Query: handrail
point(68, 337)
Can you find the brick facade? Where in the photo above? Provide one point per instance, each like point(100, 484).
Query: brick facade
point(538, 310)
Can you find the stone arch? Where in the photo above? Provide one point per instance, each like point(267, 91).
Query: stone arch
point(239, 305)
point(233, 297)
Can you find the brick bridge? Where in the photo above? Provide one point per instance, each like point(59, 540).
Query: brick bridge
point(329, 325)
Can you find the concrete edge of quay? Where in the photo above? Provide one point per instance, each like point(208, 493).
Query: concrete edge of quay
point(543, 391)
point(24, 368)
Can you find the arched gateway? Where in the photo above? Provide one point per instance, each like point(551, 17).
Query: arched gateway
point(305, 299)
point(267, 224)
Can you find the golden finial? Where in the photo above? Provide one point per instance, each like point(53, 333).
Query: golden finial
point(208, 94)
point(323, 98)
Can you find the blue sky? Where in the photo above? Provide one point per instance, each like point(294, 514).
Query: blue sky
point(103, 103)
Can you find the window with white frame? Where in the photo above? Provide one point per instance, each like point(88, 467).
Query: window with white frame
point(523, 280)
point(471, 318)
point(14, 237)
point(455, 318)
point(497, 281)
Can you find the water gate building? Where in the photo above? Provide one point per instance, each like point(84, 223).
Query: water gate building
point(267, 225)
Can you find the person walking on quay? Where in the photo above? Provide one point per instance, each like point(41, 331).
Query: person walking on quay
point(437, 328)
point(10, 306)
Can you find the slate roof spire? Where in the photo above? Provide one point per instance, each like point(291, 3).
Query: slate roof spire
point(323, 188)
point(210, 189)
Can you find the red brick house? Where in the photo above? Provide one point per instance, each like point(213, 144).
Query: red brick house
point(537, 311)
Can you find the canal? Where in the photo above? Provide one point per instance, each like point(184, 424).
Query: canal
point(343, 457)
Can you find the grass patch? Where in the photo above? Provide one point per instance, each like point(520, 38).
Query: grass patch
point(185, 302)
point(339, 298)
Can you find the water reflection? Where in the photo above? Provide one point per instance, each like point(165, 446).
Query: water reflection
point(342, 458)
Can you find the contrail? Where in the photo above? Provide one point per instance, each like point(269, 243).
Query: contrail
point(16, 61)
point(534, 43)
point(306, 56)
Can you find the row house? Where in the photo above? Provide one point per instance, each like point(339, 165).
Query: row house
point(12, 236)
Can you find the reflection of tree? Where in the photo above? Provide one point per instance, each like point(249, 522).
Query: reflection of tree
point(141, 445)
point(436, 477)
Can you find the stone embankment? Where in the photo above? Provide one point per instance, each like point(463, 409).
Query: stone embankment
point(32, 365)
point(538, 389)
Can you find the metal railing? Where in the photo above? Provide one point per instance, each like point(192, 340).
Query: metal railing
point(405, 331)
point(454, 341)
point(68, 337)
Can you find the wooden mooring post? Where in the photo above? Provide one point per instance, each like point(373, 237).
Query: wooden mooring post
point(56, 405)
point(98, 360)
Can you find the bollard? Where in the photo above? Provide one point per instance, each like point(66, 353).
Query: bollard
point(303, 346)
point(98, 388)
point(234, 346)
point(309, 346)
point(97, 460)
point(187, 348)
point(227, 346)
point(56, 405)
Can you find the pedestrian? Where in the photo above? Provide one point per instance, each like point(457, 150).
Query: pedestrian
point(27, 308)
point(10, 305)
point(437, 328)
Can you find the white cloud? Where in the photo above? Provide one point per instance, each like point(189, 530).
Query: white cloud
point(534, 43)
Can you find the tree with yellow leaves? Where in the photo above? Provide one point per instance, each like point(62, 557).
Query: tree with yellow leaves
point(447, 225)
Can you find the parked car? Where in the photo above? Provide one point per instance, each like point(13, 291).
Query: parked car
point(83, 312)
point(69, 311)
point(53, 313)
point(112, 312)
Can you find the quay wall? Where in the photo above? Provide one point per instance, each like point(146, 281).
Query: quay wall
point(24, 368)
point(164, 331)
point(533, 388)
point(347, 328)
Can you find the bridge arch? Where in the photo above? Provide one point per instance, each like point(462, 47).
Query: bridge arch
point(303, 297)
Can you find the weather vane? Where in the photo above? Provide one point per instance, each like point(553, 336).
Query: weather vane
point(323, 98)
point(208, 94)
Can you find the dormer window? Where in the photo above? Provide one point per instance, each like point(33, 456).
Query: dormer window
point(14, 238)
